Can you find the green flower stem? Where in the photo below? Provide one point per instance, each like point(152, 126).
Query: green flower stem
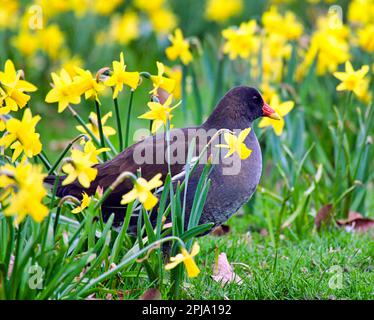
point(218, 84)
point(45, 161)
point(59, 208)
point(119, 126)
point(101, 132)
point(81, 122)
point(197, 95)
point(126, 261)
point(63, 153)
point(51, 205)
point(128, 119)
point(184, 89)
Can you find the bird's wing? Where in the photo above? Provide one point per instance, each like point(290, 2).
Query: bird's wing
point(147, 156)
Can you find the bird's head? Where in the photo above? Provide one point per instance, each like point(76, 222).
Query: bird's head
point(252, 103)
point(239, 107)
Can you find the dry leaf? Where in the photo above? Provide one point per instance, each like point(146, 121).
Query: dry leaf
point(151, 294)
point(323, 216)
point(220, 230)
point(357, 222)
point(223, 271)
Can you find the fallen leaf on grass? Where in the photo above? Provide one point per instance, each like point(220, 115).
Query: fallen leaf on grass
point(323, 216)
point(220, 230)
point(356, 222)
point(223, 271)
point(151, 294)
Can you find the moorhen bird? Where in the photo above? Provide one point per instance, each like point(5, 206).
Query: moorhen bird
point(228, 191)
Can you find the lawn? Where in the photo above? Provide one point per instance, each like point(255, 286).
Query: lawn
point(80, 81)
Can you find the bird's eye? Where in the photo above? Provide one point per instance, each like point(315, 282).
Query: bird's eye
point(254, 97)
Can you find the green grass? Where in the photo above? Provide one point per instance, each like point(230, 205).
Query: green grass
point(296, 270)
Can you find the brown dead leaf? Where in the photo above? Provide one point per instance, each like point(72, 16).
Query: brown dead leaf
point(357, 222)
point(223, 271)
point(151, 294)
point(323, 216)
point(221, 230)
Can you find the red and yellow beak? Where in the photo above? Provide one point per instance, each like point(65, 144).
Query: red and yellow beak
point(267, 111)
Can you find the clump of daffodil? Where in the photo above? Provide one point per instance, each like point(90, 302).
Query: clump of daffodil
point(236, 144)
point(105, 7)
point(328, 44)
point(221, 10)
point(14, 87)
point(65, 91)
point(241, 41)
point(9, 14)
point(160, 114)
point(142, 192)
point(285, 25)
point(159, 81)
point(366, 38)
point(282, 109)
point(86, 200)
point(361, 12)
point(20, 136)
point(180, 48)
point(24, 191)
point(187, 258)
point(80, 165)
point(93, 126)
point(90, 86)
point(352, 80)
point(122, 77)
point(163, 20)
point(124, 28)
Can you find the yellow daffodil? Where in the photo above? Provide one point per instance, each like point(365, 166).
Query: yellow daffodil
point(88, 84)
point(106, 7)
point(142, 192)
point(25, 183)
point(14, 87)
point(163, 21)
point(282, 109)
point(93, 126)
point(64, 91)
point(241, 41)
point(149, 6)
point(221, 10)
point(328, 46)
point(187, 258)
point(361, 12)
point(180, 48)
point(21, 136)
point(175, 74)
point(26, 42)
point(236, 144)
point(287, 26)
point(160, 113)
point(70, 65)
point(366, 38)
point(92, 152)
point(124, 28)
point(80, 165)
point(351, 80)
point(9, 13)
point(120, 77)
point(51, 40)
point(160, 81)
point(86, 200)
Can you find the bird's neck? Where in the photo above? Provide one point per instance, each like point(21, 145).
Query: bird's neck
point(225, 116)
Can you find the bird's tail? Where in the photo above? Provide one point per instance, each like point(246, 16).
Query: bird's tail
point(50, 180)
